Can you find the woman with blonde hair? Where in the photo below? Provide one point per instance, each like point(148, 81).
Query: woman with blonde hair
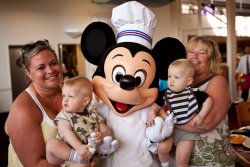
point(214, 148)
point(30, 121)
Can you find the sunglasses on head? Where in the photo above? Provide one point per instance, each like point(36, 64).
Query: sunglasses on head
point(29, 47)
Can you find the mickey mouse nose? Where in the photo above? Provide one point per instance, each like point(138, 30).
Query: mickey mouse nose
point(127, 82)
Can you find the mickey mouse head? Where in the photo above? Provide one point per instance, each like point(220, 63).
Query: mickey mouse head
point(126, 78)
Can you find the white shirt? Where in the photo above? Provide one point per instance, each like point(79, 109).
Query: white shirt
point(130, 132)
point(242, 66)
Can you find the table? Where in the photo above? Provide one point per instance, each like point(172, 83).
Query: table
point(242, 154)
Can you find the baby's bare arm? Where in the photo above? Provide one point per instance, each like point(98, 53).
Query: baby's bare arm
point(163, 114)
point(65, 129)
point(154, 109)
point(104, 131)
point(206, 107)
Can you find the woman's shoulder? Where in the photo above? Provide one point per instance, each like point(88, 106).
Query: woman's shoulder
point(218, 85)
point(22, 112)
point(24, 105)
point(213, 83)
point(218, 79)
point(23, 100)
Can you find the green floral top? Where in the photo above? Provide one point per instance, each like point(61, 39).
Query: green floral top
point(214, 148)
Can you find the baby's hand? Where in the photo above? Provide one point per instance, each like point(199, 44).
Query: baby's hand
point(197, 120)
point(84, 152)
point(97, 137)
point(151, 119)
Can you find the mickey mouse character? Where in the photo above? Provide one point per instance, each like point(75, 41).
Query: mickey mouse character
point(126, 78)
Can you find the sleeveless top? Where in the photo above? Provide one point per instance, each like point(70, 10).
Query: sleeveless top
point(214, 148)
point(83, 124)
point(48, 129)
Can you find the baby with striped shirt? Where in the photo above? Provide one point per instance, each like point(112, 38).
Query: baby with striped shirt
point(185, 104)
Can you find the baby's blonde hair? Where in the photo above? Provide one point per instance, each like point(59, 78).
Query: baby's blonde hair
point(185, 64)
point(83, 84)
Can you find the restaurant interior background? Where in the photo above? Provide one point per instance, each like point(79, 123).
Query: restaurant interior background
point(62, 22)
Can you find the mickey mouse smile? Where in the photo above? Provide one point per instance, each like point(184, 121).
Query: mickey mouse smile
point(121, 107)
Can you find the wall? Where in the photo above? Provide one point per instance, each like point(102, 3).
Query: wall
point(23, 21)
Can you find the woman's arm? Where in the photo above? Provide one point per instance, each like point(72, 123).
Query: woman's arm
point(218, 90)
point(23, 127)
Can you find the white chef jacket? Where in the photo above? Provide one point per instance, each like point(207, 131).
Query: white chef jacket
point(133, 144)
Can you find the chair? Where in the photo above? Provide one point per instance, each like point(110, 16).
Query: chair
point(243, 113)
point(232, 115)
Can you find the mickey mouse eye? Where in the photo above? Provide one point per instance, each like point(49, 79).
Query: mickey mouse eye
point(117, 74)
point(140, 77)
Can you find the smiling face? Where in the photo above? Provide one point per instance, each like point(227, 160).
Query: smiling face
point(44, 70)
point(126, 86)
point(198, 55)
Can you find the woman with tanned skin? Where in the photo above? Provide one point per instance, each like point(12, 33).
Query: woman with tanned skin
point(29, 124)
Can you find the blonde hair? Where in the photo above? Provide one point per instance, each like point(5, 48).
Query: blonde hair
point(26, 55)
point(212, 49)
point(83, 84)
point(185, 64)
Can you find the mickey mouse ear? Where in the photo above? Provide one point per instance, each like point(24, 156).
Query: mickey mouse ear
point(165, 52)
point(95, 40)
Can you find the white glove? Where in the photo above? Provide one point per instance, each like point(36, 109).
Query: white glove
point(108, 147)
point(161, 129)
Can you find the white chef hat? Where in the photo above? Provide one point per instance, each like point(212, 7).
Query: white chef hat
point(134, 22)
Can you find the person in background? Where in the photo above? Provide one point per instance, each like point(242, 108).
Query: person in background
point(76, 123)
point(243, 69)
point(213, 148)
point(186, 105)
point(30, 121)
